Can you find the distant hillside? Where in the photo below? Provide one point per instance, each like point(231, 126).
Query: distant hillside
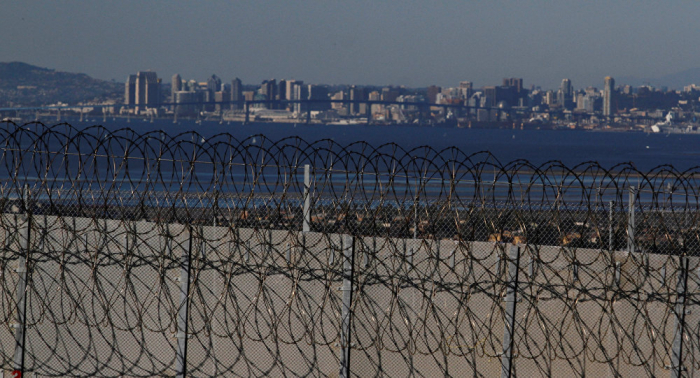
point(22, 84)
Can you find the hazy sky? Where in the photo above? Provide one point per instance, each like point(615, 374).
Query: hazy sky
point(413, 43)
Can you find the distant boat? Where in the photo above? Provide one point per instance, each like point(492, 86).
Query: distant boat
point(656, 128)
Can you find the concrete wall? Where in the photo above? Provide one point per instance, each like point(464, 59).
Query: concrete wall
point(104, 295)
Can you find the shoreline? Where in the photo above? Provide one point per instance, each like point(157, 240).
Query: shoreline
point(49, 120)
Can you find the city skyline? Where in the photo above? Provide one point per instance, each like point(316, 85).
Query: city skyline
point(414, 44)
point(510, 102)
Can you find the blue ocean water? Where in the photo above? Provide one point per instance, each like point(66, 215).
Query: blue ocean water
point(571, 147)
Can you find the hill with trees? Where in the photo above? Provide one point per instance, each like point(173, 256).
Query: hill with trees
point(23, 84)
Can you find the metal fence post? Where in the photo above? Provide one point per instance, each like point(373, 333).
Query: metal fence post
point(307, 199)
point(24, 251)
point(610, 226)
point(182, 315)
point(511, 300)
point(348, 246)
point(630, 220)
point(679, 315)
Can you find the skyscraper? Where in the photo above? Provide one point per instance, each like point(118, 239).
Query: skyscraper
point(608, 96)
point(565, 96)
point(213, 84)
point(514, 82)
point(282, 90)
point(175, 86)
point(268, 90)
point(356, 94)
point(432, 93)
point(236, 94)
point(390, 94)
point(130, 90)
point(491, 96)
point(466, 89)
point(319, 93)
point(186, 103)
point(514, 93)
point(143, 90)
point(289, 91)
point(301, 92)
point(375, 108)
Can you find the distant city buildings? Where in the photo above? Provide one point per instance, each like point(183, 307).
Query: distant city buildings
point(432, 93)
point(187, 103)
point(236, 94)
point(466, 89)
point(142, 91)
point(301, 92)
point(513, 82)
point(318, 93)
point(290, 88)
point(130, 90)
point(268, 92)
point(357, 94)
point(175, 85)
point(565, 96)
point(608, 96)
point(510, 102)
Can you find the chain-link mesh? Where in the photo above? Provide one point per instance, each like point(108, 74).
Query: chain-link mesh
point(128, 254)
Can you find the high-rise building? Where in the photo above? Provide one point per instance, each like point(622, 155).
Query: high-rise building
point(282, 90)
point(512, 92)
point(319, 93)
point(175, 86)
point(213, 84)
point(608, 96)
point(339, 106)
point(268, 90)
point(375, 108)
point(220, 97)
point(236, 94)
point(580, 99)
point(514, 82)
point(130, 90)
point(432, 93)
point(466, 85)
point(187, 103)
point(491, 96)
point(142, 90)
point(466, 89)
point(357, 94)
point(190, 86)
point(289, 91)
point(249, 95)
point(301, 92)
point(549, 98)
point(565, 95)
point(390, 94)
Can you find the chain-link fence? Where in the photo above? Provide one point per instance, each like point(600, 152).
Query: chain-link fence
point(127, 254)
